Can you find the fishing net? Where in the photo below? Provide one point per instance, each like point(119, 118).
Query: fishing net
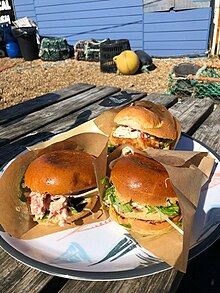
point(199, 83)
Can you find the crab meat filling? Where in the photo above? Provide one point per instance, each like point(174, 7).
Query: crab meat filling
point(46, 206)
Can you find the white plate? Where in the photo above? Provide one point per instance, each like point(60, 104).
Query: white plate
point(105, 251)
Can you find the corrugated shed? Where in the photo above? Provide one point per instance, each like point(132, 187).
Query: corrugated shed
point(25, 8)
point(177, 33)
point(86, 19)
point(160, 34)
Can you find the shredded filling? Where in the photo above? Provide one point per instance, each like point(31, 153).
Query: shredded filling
point(126, 132)
point(46, 206)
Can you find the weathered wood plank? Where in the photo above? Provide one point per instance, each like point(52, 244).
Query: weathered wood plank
point(209, 131)
point(16, 276)
point(164, 99)
point(40, 102)
point(192, 112)
point(33, 121)
point(8, 151)
point(83, 115)
point(160, 282)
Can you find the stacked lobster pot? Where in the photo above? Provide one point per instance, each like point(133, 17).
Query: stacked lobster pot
point(88, 50)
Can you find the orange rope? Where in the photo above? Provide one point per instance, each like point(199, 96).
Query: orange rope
point(2, 68)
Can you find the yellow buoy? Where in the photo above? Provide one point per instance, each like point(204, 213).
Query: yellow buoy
point(127, 62)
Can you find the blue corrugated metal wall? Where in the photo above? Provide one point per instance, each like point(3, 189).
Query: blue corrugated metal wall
point(160, 34)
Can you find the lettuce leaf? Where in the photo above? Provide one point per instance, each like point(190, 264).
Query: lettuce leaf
point(109, 194)
point(168, 142)
point(171, 210)
point(24, 189)
point(125, 207)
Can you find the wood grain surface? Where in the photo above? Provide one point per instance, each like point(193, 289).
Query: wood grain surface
point(30, 122)
point(43, 101)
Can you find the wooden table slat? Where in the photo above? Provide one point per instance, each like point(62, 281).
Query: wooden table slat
point(209, 131)
point(33, 121)
point(20, 275)
point(9, 151)
point(40, 102)
point(92, 111)
point(150, 283)
point(192, 112)
point(164, 99)
point(68, 122)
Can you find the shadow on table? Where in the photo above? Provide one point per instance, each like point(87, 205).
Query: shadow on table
point(114, 101)
point(19, 112)
point(9, 151)
point(203, 272)
point(185, 143)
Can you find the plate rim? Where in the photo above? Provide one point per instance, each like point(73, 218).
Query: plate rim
point(112, 275)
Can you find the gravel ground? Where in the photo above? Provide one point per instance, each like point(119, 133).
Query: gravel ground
point(23, 80)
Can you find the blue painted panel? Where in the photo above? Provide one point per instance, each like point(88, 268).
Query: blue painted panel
point(174, 36)
point(29, 13)
point(177, 26)
point(89, 35)
point(99, 29)
point(25, 8)
point(194, 45)
point(98, 21)
point(82, 20)
point(161, 53)
point(86, 19)
point(177, 33)
point(86, 5)
point(109, 3)
point(23, 2)
point(83, 15)
point(177, 16)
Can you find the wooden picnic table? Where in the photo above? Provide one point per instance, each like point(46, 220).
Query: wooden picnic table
point(41, 118)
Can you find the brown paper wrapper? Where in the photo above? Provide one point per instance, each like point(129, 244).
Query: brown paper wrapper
point(188, 171)
point(15, 217)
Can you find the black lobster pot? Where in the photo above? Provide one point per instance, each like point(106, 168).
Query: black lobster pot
point(110, 49)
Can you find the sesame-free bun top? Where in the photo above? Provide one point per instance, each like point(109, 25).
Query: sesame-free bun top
point(141, 179)
point(151, 118)
point(61, 172)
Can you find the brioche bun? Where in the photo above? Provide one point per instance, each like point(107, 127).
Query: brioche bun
point(58, 181)
point(144, 125)
point(143, 195)
point(153, 119)
point(141, 179)
point(61, 172)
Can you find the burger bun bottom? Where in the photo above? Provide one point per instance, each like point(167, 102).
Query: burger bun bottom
point(140, 226)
